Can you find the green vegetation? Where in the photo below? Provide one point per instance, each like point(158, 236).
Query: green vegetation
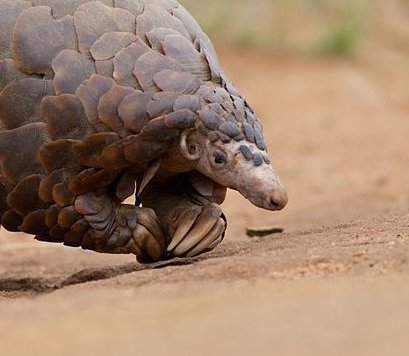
point(340, 39)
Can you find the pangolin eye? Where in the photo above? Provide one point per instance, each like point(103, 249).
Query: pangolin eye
point(219, 159)
point(192, 148)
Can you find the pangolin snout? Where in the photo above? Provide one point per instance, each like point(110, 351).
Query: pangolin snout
point(263, 188)
point(272, 197)
point(277, 200)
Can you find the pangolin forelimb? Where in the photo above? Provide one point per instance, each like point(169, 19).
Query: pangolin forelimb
point(191, 226)
point(121, 228)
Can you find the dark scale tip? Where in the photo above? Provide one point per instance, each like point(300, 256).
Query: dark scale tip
point(245, 150)
point(259, 138)
point(251, 119)
point(246, 103)
point(257, 159)
point(239, 104)
point(217, 108)
point(230, 129)
point(239, 114)
point(231, 88)
point(257, 125)
point(266, 159)
point(249, 132)
point(210, 119)
point(180, 119)
point(228, 106)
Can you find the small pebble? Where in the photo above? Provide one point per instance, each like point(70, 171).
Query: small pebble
point(263, 231)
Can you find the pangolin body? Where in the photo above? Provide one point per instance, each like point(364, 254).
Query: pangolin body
point(92, 92)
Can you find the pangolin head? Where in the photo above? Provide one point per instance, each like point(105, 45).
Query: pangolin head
point(228, 146)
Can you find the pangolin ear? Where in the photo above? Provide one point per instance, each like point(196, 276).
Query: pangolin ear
point(189, 145)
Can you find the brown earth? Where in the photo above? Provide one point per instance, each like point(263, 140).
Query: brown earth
point(335, 282)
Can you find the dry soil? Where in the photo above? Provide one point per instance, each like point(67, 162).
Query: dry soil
point(334, 283)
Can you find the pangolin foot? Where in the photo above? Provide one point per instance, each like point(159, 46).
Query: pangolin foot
point(121, 228)
point(148, 241)
point(197, 229)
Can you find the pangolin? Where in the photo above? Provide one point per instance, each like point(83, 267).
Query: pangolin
point(104, 100)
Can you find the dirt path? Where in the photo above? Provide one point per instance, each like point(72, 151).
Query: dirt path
point(333, 283)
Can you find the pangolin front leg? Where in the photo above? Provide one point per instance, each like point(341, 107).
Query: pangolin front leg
point(195, 229)
point(191, 226)
point(121, 228)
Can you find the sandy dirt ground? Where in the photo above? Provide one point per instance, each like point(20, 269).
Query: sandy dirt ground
point(334, 283)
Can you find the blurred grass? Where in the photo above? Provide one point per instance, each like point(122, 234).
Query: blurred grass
point(301, 27)
point(340, 39)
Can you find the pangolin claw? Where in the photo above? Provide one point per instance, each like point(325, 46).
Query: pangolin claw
point(207, 243)
point(187, 220)
point(149, 237)
point(198, 232)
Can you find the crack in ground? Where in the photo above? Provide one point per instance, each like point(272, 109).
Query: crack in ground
point(32, 285)
point(35, 286)
point(48, 285)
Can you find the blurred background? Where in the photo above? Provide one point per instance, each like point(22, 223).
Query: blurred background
point(330, 81)
point(305, 28)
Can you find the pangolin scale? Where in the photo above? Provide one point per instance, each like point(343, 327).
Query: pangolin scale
point(103, 100)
